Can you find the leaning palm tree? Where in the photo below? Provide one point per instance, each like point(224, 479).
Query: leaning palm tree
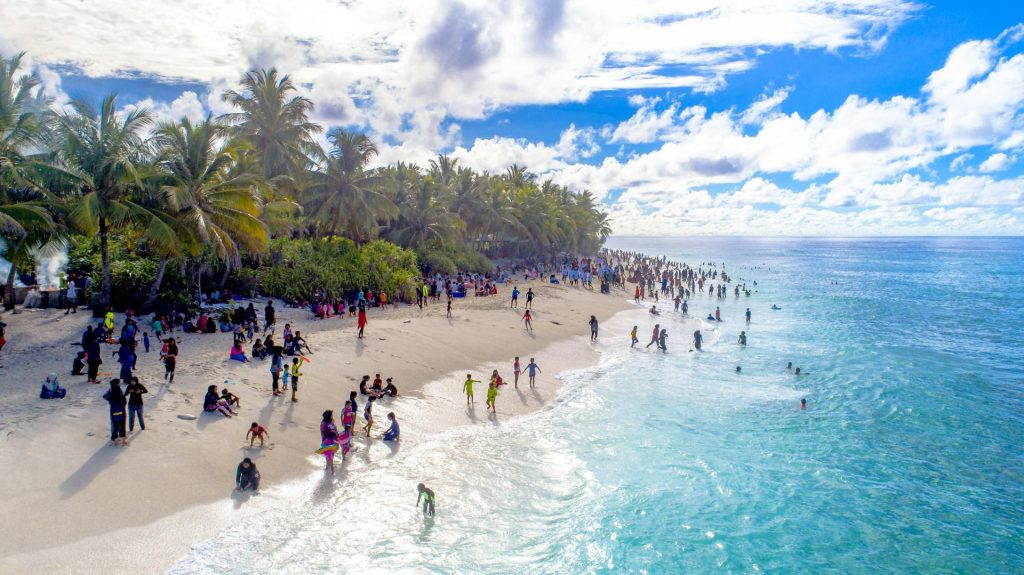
point(100, 153)
point(274, 121)
point(212, 204)
point(343, 194)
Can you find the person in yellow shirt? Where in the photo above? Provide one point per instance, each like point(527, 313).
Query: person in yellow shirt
point(492, 394)
point(296, 374)
point(468, 388)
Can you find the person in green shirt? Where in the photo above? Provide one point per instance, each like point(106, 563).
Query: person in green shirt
point(296, 374)
point(427, 495)
point(468, 388)
point(492, 394)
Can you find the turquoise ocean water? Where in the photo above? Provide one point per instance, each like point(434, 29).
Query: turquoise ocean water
point(908, 459)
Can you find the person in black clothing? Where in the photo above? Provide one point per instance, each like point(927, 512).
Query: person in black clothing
point(247, 476)
point(134, 392)
point(115, 397)
point(91, 346)
point(78, 364)
point(268, 318)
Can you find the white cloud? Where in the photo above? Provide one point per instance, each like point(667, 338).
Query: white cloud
point(464, 58)
point(996, 163)
point(187, 105)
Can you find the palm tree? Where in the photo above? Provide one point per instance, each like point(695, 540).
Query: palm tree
point(275, 122)
point(343, 194)
point(211, 205)
point(101, 151)
point(425, 220)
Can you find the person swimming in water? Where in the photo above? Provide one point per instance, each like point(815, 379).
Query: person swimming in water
point(797, 372)
point(775, 307)
point(737, 369)
point(743, 338)
point(789, 365)
point(654, 310)
point(803, 403)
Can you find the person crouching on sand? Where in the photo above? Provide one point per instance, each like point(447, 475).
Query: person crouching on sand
point(247, 476)
point(257, 431)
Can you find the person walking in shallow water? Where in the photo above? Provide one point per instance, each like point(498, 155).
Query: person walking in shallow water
point(655, 335)
point(427, 495)
point(593, 328)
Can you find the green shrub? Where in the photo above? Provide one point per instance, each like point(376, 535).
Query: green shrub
point(294, 269)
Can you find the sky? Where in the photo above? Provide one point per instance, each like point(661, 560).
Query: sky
point(725, 117)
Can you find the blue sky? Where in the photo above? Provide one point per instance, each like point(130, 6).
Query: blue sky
point(823, 117)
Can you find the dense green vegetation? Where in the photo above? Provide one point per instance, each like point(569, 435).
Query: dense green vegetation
point(251, 200)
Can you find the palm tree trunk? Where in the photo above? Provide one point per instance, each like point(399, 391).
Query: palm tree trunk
point(9, 300)
point(224, 278)
point(153, 291)
point(104, 302)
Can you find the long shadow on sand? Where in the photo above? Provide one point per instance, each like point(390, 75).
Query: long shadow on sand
point(102, 459)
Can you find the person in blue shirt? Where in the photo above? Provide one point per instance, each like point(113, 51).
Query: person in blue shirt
point(515, 297)
point(393, 432)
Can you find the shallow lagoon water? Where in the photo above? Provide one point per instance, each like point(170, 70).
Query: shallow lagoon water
point(908, 458)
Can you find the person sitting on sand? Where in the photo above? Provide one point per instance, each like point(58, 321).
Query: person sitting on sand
point(51, 389)
point(393, 432)
point(237, 353)
point(231, 398)
point(247, 476)
point(299, 344)
point(390, 389)
point(259, 350)
point(78, 364)
point(257, 431)
point(213, 402)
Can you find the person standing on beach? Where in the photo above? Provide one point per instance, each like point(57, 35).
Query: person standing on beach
point(115, 397)
point(448, 314)
point(492, 395)
point(361, 321)
point(368, 414)
point(72, 296)
point(654, 335)
point(91, 346)
point(632, 337)
point(515, 297)
point(531, 369)
point(528, 320)
point(593, 328)
point(516, 371)
point(467, 388)
point(134, 392)
point(170, 359)
point(269, 319)
point(296, 374)
point(529, 298)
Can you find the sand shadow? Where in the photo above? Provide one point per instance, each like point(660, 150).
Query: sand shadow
point(240, 497)
point(207, 417)
point(394, 446)
point(360, 347)
point(471, 412)
point(102, 459)
point(522, 396)
point(268, 409)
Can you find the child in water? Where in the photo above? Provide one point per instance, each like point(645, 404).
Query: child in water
point(428, 499)
point(632, 336)
point(467, 388)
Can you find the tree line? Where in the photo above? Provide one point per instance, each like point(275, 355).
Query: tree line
point(208, 197)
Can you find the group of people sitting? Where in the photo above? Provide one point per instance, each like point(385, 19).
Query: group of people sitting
point(224, 402)
point(294, 344)
point(377, 389)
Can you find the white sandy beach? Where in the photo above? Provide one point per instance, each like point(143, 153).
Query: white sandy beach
point(76, 504)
